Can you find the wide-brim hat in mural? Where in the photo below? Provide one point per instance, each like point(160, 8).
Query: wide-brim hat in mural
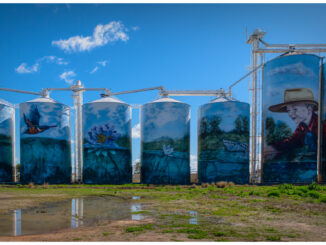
point(293, 96)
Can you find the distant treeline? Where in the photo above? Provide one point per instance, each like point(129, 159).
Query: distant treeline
point(179, 145)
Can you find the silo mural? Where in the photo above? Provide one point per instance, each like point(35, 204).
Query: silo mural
point(107, 142)
point(223, 141)
point(290, 119)
point(165, 136)
point(322, 167)
point(6, 142)
point(45, 142)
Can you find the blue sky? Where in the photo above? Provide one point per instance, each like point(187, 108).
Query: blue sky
point(180, 46)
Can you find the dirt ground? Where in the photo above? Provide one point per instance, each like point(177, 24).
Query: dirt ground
point(223, 212)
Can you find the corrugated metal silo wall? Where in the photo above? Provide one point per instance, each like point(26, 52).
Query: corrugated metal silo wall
point(45, 143)
point(322, 168)
point(6, 143)
point(107, 143)
point(223, 142)
point(290, 119)
point(165, 143)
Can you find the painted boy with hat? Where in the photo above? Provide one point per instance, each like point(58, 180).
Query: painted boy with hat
point(301, 107)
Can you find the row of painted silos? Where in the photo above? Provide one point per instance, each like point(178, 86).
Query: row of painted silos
point(165, 142)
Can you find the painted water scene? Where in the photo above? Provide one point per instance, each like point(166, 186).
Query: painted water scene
point(223, 141)
point(6, 143)
point(290, 116)
point(45, 142)
point(165, 141)
point(107, 142)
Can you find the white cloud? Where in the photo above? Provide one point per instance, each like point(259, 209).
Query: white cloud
point(67, 76)
point(102, 35)
point(193, 163)
point(24, 68)
point(136, 131)
point(102, 63)
point(135, 28)
point(94, 70)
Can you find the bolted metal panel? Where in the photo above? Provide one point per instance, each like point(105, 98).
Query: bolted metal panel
point(165, 142)
point(45, 142)
point(107, 142)
point(7, 139)
point(290, 119)
point(223, 141)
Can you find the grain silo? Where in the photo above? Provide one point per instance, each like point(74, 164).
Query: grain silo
point(45, 142)
point(107, 142)
point(165, 142)
point(290, 119)
point(223, 141)
point(7, 139)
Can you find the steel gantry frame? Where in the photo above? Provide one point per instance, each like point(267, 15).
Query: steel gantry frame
point(256, 128)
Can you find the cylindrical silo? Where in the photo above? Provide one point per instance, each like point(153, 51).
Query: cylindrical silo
point(322, 167)
point(290, 119)
point(223, 141)
point(45, 151)
point(7, 139)
point(107, 142)
point(165, 142)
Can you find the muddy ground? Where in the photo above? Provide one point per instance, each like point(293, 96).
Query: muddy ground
point(224, 212)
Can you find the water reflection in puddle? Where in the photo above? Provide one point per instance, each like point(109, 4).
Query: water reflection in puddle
point(67, 214)
point(193, 220)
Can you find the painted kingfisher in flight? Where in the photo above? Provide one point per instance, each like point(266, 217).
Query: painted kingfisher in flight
point(32, 123)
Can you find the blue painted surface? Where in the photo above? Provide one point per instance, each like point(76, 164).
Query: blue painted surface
point(223, 142)
point(6, 143)
point(286, 160)
point(165, 140)
point(45, 142)
point(107, 143)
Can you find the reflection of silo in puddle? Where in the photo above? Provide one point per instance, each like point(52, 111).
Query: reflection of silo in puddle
point(17, 222)
point(136, 207)
point(77, 212)
point(193, 220)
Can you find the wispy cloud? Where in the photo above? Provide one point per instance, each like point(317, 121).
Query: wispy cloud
point(100, 63)
point(102, 35)
point(135, 28)
point(24, 68)
point(68, 76)
point(136, 131)
point(193, 163)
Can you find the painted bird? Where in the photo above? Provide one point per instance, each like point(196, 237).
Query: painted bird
point(33, 126)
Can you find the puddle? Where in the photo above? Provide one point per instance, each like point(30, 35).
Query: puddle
point(73, 213)
point(193, 220)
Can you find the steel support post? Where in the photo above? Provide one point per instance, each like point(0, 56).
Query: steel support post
point(78, 146)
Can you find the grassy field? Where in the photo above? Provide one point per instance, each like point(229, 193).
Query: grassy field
point(224, 212)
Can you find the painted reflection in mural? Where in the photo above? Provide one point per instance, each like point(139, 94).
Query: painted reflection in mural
point(165, 139)
point(6, 143)
point(290, 109)
point(107, 142)
point(45, 142)
point(223, 141)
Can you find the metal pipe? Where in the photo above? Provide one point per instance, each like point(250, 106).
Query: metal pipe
point(290, 45)
point(137, 90)
point(235, 83)
point(193, 93)
point(19, 91)
point(13, 144)
point(320, 165)
point(263, 50)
